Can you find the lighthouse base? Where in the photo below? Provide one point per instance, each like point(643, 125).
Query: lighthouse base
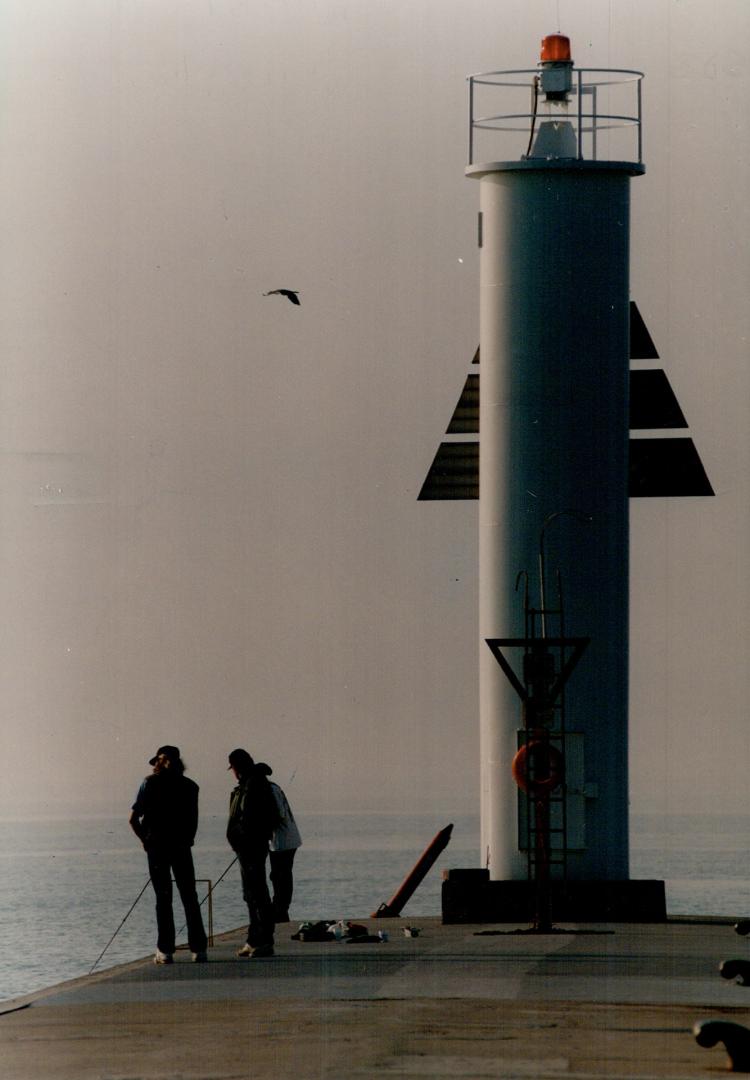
point(468, 896)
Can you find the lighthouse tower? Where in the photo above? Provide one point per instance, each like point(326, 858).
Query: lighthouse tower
point(554, 149)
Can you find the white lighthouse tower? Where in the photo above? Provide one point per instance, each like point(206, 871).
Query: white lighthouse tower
point(554, 178)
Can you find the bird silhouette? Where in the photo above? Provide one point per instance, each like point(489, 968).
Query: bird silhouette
point(290, 294)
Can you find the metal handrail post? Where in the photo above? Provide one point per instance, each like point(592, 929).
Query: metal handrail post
point(594, 119)
point(210, 897)
point(640, 126)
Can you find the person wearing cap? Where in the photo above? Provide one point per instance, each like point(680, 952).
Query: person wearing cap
point(253, 816)
point(285, 839)
point(164, 817)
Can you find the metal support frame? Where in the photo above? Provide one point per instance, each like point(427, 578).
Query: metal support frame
point(541, 691)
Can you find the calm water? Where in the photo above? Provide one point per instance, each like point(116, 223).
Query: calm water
point(66, 886)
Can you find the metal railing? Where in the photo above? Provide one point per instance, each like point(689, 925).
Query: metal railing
point(588, 83)
point(210, 910)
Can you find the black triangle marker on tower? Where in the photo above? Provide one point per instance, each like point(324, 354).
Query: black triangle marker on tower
point(660, 467)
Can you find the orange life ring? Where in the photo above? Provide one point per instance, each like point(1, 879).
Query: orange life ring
point(547, 759)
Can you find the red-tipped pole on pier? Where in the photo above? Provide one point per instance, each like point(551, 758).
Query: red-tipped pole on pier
point(392, 909)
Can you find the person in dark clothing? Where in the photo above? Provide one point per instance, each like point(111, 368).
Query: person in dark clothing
point(253, 816)
point(285, 840)
point(164, 817)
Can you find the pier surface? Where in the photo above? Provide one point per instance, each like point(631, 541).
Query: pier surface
point(615, 1001)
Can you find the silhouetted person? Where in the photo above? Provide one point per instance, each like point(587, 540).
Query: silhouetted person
point(253, 816)
point(285, 840)
point(164, 817)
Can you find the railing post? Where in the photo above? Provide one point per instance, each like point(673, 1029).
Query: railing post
point(640, 129)
point(210, 897)
point(593, 123)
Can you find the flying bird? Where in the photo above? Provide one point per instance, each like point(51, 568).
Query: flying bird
point(290, 294)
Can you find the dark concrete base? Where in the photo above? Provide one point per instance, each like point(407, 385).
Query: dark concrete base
point(470, 897)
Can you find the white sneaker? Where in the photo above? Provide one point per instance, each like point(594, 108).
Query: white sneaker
point(162, 957)
point(199, 957)
point(246, 950)
point(261, 950)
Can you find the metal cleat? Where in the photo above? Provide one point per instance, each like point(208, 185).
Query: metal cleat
point(735, 1037)
point(736, 969)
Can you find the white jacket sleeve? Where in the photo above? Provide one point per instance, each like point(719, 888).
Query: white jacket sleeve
point(287, 835)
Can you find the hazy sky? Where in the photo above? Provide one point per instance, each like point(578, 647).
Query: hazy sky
point(209, 524)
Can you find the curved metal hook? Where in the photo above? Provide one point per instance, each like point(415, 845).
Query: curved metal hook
point(525, 575)
point(548, 521)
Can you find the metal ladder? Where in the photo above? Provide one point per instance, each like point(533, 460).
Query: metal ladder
point(547, 825)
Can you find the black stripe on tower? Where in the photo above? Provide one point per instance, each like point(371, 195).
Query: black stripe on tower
point(659, 468)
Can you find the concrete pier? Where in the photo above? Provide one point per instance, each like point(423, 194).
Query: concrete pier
point(600, 1000)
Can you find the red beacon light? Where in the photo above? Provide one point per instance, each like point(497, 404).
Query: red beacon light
point(557, 67)
point(556, 49)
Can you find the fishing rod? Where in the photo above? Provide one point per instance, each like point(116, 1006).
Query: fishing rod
point(211, 890)
point(119, 928)
point(132, 908)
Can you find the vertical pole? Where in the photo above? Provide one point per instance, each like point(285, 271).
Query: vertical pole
point(542, 921)
point(640, 126)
